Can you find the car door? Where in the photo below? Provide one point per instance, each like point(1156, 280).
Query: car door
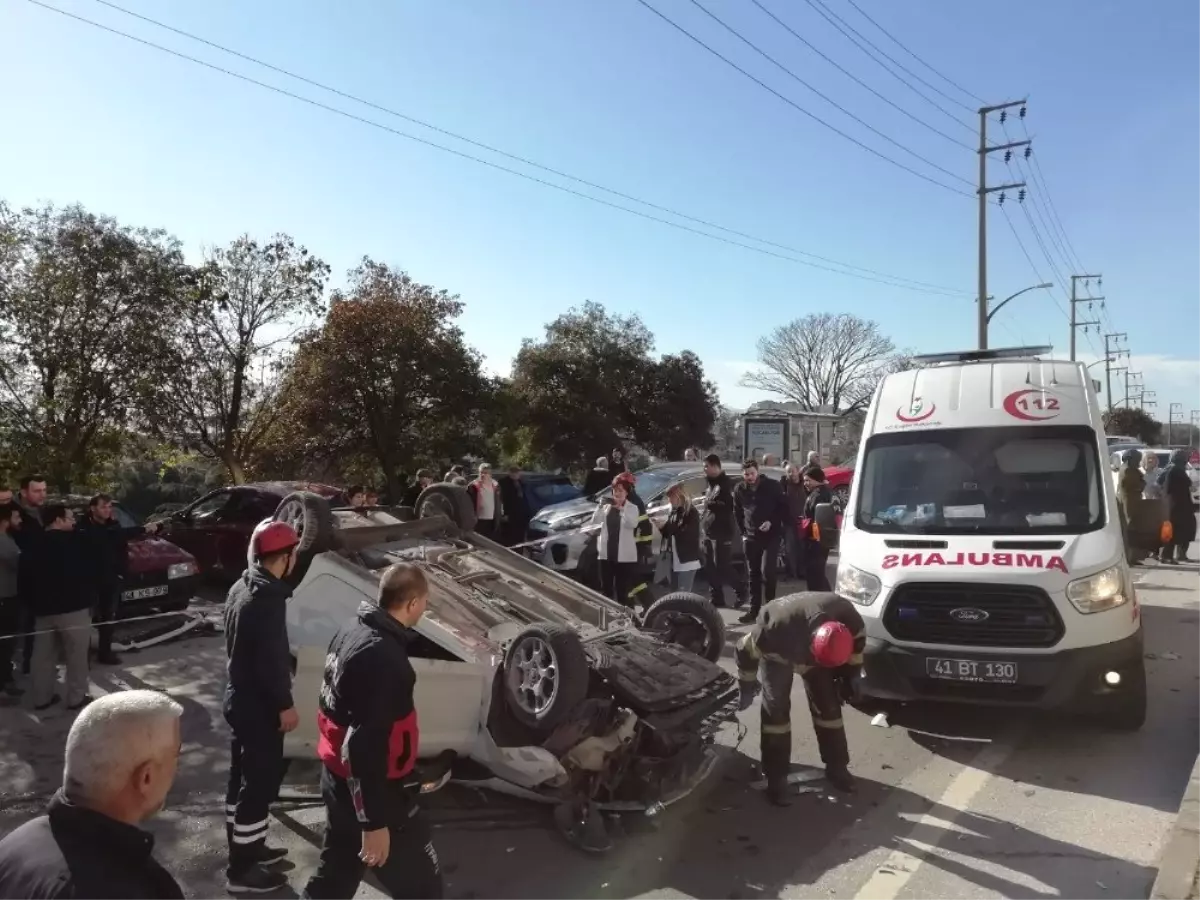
point(236, 523)
point(191, 527)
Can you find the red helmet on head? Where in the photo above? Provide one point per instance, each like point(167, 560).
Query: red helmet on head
point(273, 537)
point(832, 645)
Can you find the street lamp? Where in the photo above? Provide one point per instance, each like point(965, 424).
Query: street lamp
point(999, 306)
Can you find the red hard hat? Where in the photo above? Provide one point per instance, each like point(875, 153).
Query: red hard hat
point(272, 537)
point(832, 645)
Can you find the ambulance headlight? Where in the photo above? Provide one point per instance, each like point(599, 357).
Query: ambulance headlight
point(1104, 590)
point(856, 585)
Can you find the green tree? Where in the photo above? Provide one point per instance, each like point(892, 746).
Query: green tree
point(593, 382)
point(217, 388)
point(84, 306)
point(1136, 423)
point(388, 376)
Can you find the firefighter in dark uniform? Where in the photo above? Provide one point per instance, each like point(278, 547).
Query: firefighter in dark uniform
point(819, 636)
point(368, 747)
point(258, 704)
point(641, 591)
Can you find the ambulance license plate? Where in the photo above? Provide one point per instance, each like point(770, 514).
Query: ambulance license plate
point(986, 671)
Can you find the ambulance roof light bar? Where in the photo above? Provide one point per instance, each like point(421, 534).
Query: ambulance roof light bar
point(982, 355)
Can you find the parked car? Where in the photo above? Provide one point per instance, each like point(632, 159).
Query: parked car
point(542, 489)
point(567, 549)
point(216, 528)
point(160, 576)
point(527, 682)
point(839, 479)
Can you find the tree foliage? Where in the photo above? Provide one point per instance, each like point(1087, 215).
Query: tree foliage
point(84, 303)
point(1136, 423)
point(825, 360)
point(216, 389)
point(387, 377)
point(593, 383)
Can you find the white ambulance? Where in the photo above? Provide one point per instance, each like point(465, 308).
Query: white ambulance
point(982, 542)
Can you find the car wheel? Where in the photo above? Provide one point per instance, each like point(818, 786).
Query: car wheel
point(312, 518)
point(449, 500)
point(688, 621)
point(841, 498)
point(1128, 709)
point(546, 675)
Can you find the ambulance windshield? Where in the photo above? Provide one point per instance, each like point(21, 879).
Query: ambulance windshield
point(1041, 479)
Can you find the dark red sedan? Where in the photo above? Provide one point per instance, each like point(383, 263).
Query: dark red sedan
point(216, 528)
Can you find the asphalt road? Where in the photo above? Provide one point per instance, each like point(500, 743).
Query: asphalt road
point(952, 802)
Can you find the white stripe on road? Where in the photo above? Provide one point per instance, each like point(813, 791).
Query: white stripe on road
point(900, 866)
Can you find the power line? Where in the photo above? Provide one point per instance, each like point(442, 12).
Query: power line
point(833, 103)
point(1029, 259)
point(896, 41)
point(883, 278)
point(1041, 209)
point(1041, 177)
point(841, 25)
point(797, 106)
point(858, 80)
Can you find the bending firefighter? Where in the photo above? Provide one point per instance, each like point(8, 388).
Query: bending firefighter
point(819, 636)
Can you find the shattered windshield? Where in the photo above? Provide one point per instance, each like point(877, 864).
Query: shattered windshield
point(1011, 480)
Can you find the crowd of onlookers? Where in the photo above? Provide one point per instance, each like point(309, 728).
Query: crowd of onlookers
point(60, 574)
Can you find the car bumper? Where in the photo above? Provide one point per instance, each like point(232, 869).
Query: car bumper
point(1052, 680)
point(178, 590)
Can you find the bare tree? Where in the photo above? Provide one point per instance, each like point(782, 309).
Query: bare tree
point(824, 360)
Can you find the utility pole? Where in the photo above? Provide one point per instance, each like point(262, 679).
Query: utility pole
point(1108, 351)
point(1171, 421)
point(1075, 300)
point(1136, 376)
point(984, 191)
point(1147, 399)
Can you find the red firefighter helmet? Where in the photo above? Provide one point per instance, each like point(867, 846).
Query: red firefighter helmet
point(832, 645)
point(273, 537)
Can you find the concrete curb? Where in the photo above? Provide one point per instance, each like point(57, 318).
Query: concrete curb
point(1177, 867)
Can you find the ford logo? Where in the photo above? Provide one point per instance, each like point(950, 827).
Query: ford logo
point(968, 614)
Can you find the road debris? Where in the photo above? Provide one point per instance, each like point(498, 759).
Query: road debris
point(794, 778)
point(880, 720)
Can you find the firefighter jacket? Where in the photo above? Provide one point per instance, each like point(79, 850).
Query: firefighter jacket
point(367, 716)
point(783, 634)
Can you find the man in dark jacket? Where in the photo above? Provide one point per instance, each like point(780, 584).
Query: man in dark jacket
point(369, 745)
point(30, 500)
point(258, 704)
point(720, 526)
point(121, 757)
point(110, 541)
point(760, 508)
point(424, 480)
point(59, 573)
point(516, 508)
point(597, 479)
point(820, 636)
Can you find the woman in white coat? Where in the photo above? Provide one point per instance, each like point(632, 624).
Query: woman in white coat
point(616, 549)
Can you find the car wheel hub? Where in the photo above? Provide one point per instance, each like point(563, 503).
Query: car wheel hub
point(435, 506)
point(293, 514)
point(533, 676)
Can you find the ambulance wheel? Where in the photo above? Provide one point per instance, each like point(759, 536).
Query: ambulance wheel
point(546, 675)
point(1128, 709)
point(449, 500)
point(688, 621)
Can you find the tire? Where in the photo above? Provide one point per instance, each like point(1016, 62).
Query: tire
point(675, 617)
point(449, 500)
point(1128, 712)
point(312, 518)
point(841, 498)
point(546, 675)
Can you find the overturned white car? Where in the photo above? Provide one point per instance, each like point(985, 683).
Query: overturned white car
point(527, 682)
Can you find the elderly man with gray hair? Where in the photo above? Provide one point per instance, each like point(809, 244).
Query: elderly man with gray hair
point(121, 756)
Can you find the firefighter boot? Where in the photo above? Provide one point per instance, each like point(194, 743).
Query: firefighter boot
point(778, 792)
point(840, 778)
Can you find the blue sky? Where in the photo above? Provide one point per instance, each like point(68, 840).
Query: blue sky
point(609, 92)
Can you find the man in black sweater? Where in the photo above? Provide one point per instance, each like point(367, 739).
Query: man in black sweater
point(369, 744)
point(720, 526)
point(111, 544)
point(258, 704)
point(760, 507)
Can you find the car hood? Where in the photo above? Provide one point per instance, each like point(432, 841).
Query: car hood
point(151, 553)
point(548, 515)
